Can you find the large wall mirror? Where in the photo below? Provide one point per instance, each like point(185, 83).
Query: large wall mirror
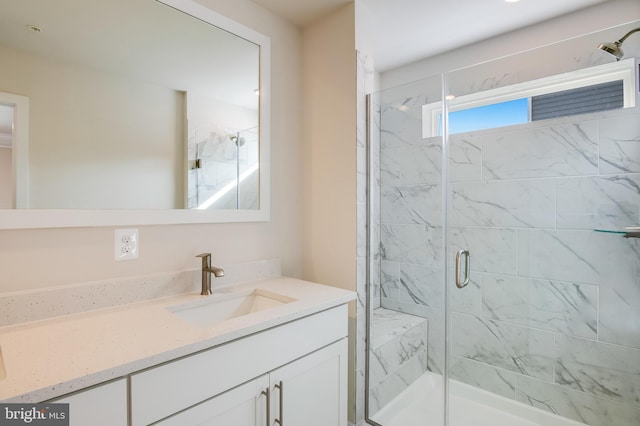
point(118, 112)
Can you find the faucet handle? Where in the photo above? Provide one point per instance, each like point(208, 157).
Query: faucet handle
point(206, 258)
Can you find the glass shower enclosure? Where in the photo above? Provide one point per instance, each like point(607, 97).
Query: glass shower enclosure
point(223, 169)
point(502, 289)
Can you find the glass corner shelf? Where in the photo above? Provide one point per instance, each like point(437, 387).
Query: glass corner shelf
point(629, 231)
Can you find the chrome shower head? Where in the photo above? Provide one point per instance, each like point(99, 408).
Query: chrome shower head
point(614, 48)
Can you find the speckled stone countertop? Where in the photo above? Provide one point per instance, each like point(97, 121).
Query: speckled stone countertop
point(49, 358)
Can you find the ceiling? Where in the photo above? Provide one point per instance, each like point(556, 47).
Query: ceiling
point(401, 25)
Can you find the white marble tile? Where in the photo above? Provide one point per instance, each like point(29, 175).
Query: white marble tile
point(495, 380)
point(576, 405)
point(396, 382)
point(390, 280)
point(435, 318)
point(418, 204)
point(436, 344)
point(419, 244)
point(491, 249)
point(391, 356)
point(561, 150)
point(548, 305)
point(468, 299)
point(422, 285)
point(361, 231)
point(620, 143)
point(401, 122)
point(563, 307)
point(375, 277)
point(601, 369)
point(518, 349)
point(519, 203)
point(620, 316)
point(361, 286)
point(465, 158)
point(387, 325)
point(599, 202)
point(415, 164)
point(579, 256)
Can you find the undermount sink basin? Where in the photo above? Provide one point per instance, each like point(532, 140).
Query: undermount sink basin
point(221, 307)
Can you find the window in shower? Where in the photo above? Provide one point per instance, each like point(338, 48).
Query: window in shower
point(489, 116)
point(600, 88)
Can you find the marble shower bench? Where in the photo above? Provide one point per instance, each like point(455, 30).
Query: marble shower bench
point(398, 354)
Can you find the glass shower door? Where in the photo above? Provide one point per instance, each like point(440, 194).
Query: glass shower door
point(539, 321)
point(406, 303)
point(543, 179)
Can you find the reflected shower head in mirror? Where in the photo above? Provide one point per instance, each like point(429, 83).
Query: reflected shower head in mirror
point(614, 48)
point(238, 140)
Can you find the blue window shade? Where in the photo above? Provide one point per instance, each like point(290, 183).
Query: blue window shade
point(598, 97)
point(489, 116)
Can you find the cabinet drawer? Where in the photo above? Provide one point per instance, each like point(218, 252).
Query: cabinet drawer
point(169, 388)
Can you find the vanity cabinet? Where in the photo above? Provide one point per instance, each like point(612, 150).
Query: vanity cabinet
point(303, 363)
point(310, 391)
point(103, 405)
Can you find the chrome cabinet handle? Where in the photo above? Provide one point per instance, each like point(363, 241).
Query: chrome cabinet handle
point(280, 387)
point(467, 264)
point(267, 393)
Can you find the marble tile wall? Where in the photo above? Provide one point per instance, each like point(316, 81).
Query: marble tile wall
point(398, 355)
point(551, 317)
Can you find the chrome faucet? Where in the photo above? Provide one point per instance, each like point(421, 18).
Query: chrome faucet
point(207, 270)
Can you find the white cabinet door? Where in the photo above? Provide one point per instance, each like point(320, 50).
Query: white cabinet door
point(312, 391)
point(244, 405)
point(104, 405)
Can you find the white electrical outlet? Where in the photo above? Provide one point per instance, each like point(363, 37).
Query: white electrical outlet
point(126, 244)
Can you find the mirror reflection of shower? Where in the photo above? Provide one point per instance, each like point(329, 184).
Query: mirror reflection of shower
point(224, 170)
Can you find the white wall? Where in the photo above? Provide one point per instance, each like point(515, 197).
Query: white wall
point(599, 17)
point(329, 138)
point(6, 179)
point(42, 258)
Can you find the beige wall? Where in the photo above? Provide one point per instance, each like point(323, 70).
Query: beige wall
point(329, 63)
point(43, 258)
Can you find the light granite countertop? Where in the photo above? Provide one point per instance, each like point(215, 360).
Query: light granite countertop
point(49, 358)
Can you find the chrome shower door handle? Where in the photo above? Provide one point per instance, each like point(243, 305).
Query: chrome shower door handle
point(467, 264)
